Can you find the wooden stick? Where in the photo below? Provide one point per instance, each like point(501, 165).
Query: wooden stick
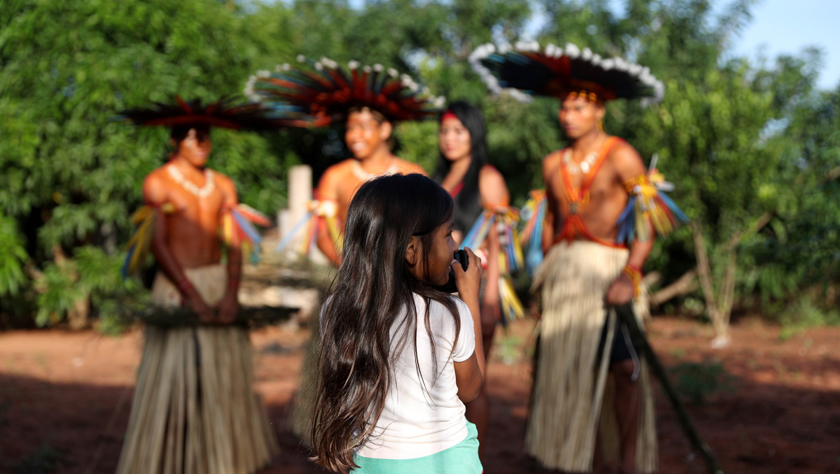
point(625, 314)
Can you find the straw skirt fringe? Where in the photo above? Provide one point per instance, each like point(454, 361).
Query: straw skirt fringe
point(194, 409)
point(570, 397)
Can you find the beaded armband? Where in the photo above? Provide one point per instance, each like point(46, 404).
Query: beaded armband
point(635, 275)
point(323, 208)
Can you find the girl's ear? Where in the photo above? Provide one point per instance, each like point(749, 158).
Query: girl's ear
point(412, 252)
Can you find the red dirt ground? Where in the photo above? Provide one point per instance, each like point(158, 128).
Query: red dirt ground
point(71, 392)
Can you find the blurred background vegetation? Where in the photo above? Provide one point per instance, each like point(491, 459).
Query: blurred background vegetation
point(753, 147)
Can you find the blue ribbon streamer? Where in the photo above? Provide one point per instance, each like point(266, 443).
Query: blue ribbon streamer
point(288, 238)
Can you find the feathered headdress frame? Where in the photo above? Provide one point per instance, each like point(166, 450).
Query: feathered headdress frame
point(224, 113)
point(326, 92)
point(527, 70)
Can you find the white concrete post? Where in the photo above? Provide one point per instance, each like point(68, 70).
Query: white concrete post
point(300, 195)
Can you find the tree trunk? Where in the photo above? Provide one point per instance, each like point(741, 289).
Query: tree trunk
point(727, 299)
point(77, 316)
point(718, 303)
point(683, 285)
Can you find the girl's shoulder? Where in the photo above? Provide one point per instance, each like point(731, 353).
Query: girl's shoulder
point(438, 311)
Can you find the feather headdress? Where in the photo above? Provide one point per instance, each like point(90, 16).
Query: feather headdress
point(223, 113)
point(326, 92)
point(554, 71)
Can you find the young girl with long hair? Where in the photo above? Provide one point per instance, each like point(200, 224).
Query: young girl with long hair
point(462, 170)
point(399, 357)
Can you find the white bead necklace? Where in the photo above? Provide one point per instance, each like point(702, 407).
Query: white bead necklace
point(585, 166)
point(202, 192)
point(363, 175)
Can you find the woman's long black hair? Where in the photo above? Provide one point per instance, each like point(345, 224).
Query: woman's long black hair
point(373, 292)
point(468, 201)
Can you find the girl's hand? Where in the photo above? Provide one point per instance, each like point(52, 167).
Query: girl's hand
point(468, 282)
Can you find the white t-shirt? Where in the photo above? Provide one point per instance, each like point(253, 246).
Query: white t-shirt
point(418, 421)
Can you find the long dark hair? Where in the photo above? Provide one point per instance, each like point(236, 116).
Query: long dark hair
point(468, 201)
point(373, 293)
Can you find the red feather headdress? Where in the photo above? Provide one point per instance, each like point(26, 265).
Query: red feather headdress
point(222, 113)
point(325, 92)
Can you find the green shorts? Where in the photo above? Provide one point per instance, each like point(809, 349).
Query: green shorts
point(459, 459)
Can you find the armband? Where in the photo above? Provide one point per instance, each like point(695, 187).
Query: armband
point(137, 249)
point(316, 212)
point(238, 219)
point(648, 203)
point(635, 275)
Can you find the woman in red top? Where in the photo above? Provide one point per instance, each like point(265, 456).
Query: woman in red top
point(462, 170)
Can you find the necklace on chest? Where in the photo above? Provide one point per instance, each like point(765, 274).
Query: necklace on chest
point(584, 167)
point(363, 175)
point(202, 192)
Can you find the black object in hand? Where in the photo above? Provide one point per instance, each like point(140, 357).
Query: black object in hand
point(464, 259)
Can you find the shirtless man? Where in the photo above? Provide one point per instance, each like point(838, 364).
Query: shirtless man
point(367, 136)
point(369, 100)
point(194, 404)
point(600, 199)
point(189, 237)
point(598, 214)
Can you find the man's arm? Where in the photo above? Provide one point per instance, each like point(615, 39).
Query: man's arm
point(552, 207)
point(493, 192)
point(413, 168)
point(229, 304)
point(155, 194)
point(327, 191)
point(628, 165)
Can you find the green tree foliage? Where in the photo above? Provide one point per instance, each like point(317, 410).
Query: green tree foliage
point(71, 173)
point(13, 257)
point(798, 250)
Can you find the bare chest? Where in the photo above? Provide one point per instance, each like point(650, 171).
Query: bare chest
point(345, 192)
point(579, 193)
point(196, 213)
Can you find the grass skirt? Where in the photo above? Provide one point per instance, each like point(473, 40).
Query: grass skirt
point(194, 409)
point(572, 396)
